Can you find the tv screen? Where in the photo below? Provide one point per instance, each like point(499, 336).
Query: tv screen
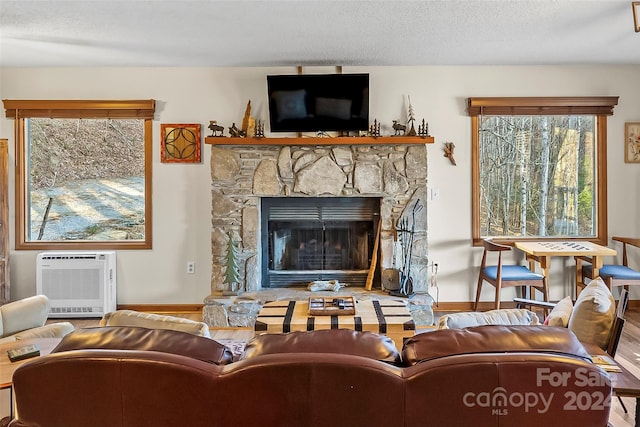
point(318, 102)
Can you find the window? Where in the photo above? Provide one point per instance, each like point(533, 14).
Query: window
point(539, 168)
point(83, 174)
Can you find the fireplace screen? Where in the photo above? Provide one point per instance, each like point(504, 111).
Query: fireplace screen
point(319, 245)
point(310, 239)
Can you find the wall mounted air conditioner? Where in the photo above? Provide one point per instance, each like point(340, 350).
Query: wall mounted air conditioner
point(78, 284)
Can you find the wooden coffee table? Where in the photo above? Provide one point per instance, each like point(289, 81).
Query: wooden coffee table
point(387, 317)
point(625, 384)
point(7, 368)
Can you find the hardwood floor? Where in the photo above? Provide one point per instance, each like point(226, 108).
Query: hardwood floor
point(628, 355)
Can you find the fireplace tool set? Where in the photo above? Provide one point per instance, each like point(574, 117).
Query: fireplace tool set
point(405, 230)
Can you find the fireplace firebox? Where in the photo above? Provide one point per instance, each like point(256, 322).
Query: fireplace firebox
point(305, 239)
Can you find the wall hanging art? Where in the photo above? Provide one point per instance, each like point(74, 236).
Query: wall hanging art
point(180, 143)
point(632, 142)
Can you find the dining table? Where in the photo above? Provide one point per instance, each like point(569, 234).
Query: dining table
point(541, 252)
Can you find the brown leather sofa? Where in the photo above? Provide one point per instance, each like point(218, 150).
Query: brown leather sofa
point(483, 376)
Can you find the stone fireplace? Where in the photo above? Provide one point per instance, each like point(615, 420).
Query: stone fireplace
point(244, 177)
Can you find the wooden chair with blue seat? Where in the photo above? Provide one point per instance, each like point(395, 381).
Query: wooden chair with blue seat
point(503, 276)
point(612, 274)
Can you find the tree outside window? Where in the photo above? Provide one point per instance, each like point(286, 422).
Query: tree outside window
point(539, 168)
point(83, 174)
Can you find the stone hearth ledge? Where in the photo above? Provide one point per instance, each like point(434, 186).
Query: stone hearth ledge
point(242, 310)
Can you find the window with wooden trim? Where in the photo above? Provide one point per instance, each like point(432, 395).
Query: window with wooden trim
point(83, 173)
point(540, 168)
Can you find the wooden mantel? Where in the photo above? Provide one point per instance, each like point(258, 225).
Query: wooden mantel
point(340, 140)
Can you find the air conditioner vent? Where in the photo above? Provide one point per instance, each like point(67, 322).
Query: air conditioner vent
point(88, 256)
point(78, 284)
point(75, 309)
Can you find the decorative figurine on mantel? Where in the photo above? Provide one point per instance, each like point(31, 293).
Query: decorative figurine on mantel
point(374, 129)
point(248, 122)
point(215, 128)
point(423, 129)
point(399, 128)
point(259, 131)
point(235, 132)
point(412, 131)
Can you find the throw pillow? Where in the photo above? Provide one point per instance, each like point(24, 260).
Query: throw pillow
point(290, 104)
point(593, 314)
point(155, 321)
point(507, 316)
point(561, 313)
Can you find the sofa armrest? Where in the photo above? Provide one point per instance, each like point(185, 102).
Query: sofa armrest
point(24, 314)
point(52, 330)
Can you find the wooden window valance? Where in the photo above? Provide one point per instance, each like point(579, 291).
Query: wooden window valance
point(61, 109)
point(538, 106)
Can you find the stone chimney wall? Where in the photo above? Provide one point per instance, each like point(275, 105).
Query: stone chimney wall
point(241, 174)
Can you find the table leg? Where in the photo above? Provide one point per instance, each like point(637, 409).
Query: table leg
point(596, 262)
point(597, 265)
point(637, 411)
point(545, 265)
point(579, 284)
point(528, 293)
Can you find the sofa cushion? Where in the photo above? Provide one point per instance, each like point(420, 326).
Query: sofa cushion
point(24, 314)
point(492, 339)
point(341, 341)
point(560, 314)
point(593, 314)
point(154, 321)
point(507, 316)
point(137, 338)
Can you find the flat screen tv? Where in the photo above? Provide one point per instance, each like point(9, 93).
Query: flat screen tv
point(318, 102)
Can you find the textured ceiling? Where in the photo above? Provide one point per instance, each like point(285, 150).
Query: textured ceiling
point(318, 32)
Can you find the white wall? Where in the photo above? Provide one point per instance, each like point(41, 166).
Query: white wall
point(181, 193)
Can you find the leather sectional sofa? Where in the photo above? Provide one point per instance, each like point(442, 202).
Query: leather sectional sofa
point(481, 376)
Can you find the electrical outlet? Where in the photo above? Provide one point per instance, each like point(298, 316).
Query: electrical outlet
point(191, 267)
point(435, 193)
